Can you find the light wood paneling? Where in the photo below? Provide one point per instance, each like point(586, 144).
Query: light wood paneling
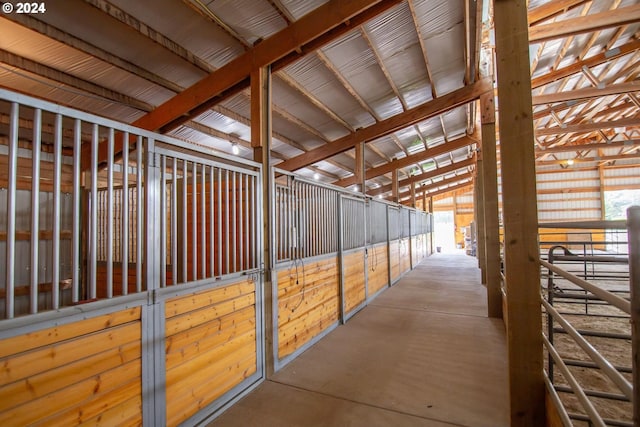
point(354, 280)
point(405, 255)
point(308, 302)
point(377, 268)
point(73, 373)
point(394, 259)
point(210, 346)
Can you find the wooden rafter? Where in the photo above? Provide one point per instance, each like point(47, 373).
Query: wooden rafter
point(392, 124)
point(305, 30)
point(584, 24)
point(413, 159)
point(552, 9)
point(420, 178)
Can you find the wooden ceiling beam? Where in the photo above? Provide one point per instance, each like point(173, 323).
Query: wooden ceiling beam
point(551, 9)
point(590, 146)
point(305, 30)
point(417, 179)
point(590, 92)
point(589, 127)
point(452, 189)
point(585, 24)
point(448, 181)
point(590, 62)
point(410, 160)
point(414, 115)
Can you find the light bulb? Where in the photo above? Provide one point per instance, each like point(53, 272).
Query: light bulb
point(235, 149)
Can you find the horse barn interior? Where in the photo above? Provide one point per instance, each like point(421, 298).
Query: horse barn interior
point(226, 212)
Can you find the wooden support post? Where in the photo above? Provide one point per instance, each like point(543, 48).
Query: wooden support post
point(491, 214)
point(413, 194)
point(261, 143)
point(522, 268)
point(425, 207)
point(479, 214)
point(602, 184)
point(395, 193)
point(359, 171)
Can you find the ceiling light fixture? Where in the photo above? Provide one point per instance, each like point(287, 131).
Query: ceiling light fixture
point(316, 176)
point(234, 148)
point(570, 162)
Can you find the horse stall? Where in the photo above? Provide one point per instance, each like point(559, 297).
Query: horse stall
point(131, 287)
point(133, 270)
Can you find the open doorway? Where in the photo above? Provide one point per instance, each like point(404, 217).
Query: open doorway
point(444, 236)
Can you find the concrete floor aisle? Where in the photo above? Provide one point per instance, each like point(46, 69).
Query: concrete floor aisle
point(421, 354)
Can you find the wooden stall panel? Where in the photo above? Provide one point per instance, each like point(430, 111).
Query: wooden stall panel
point(405, 260)
point(377, 269)
point(354, 280)
point(308, 302)
point(210, 346)
point(394, 261)
point(415, 256)
point(86, 372)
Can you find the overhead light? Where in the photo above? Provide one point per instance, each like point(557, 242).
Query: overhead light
point(356, 188)
point(380, 196)
point(570, 162)
point(316, 176)
point(234, 148)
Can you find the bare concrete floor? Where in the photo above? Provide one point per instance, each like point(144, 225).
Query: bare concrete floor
point(421, 354)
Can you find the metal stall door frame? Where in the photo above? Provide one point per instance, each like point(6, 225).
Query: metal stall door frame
point(350, 242)
point(166, 157)
point(393, 233)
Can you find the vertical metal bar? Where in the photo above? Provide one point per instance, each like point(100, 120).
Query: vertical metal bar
point(226, 221)
point(57, 173)
point(633, 236)
point(203, 223)
point(247, 234)
point(254, 222)
point(163, 221)
point(35, 209)
point(93, 226)
point(219, 209)
point(125, 214)
point(174, 222)
point(139, 213)
point(234, 228)
point(194, 221)
point(185, 249)
point(212, 251)
point(11, 211)
point(77, 176)
point(109, 216)
point(241, 236)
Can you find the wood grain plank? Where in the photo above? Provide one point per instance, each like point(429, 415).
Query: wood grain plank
point(204, 315)
point(48, 336)
point(72, 396)
point(37, 386)
point(178, 342)
point(227, 373)
point(193, 372)
point(182, 305)
point(200, 347)
point(30, 363)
